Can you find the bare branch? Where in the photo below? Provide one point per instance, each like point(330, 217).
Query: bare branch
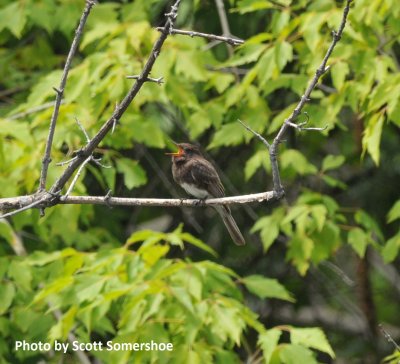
point(24, 208)
point(167, 202)
point(65, 162)
point(300, 127)
point(48, 200)
point(83, 130)
point(120, 109)
point(229, 40)
point(158, 80)
point(389, 338)
point(336, 35)
point(60, 90)
point(259, 136)
point(78, 173)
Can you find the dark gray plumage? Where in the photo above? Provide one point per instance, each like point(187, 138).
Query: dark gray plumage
point(198, 177)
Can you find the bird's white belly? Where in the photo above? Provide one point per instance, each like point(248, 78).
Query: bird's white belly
point(194, 191)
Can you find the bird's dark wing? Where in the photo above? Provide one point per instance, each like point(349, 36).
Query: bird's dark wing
point(206, 177)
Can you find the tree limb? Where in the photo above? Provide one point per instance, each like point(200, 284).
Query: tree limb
point(59, 94)
point(47, 200)
point(304, 99)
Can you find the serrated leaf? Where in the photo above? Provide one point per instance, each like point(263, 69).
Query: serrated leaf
point(332, 162)
point(198, 243)
point(134, 174)
point(260, 158)
point(372, 136)
point(358, 239)
point(299, 252)
point(269, 228)
point(283, 54)
point(295, 160)
point(394, 212)
point(313, 338)
point(339, 72)
point(13, 17)
point(7, 292)
point(319, 212)
point(266, 288)
point(228, 135)
point(296, 354)
point(268, 341)
point(391, 249)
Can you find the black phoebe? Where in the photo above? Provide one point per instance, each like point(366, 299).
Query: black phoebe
point(198, 177)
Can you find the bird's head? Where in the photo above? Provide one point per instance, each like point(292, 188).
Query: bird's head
point(185, 151)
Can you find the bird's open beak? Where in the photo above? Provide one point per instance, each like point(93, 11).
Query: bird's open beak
point(176, 154)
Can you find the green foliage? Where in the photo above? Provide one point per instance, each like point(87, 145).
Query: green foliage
point(137, 296)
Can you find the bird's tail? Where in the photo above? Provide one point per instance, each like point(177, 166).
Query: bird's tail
point(230, 224)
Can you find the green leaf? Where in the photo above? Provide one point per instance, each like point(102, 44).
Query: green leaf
point(372, 136)
point(134, 174)
point(332, 162)
point(319, 212)
point(198, 122)
point(339, 71)
point(283, 54)
point(198, 243)
point(268, 341)
point(21, 273)
point(228, 135)
point(391, 249)
point(299, 252)
point(266, 287)
point(333, 182)
point(293, 159)
point(260, 158)
point(141, 235)
point(296, 354)
point(7, 293)
point(13, 17)
point(369, 223)
point(269, 227)
point(312, 337)
point(358, 239)
point(394, 212)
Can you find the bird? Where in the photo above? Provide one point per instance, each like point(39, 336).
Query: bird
point(198, 177)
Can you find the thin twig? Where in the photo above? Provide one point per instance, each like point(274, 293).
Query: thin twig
point(121, 108)
point(304, 99)
point(66, 162)
point(24, 208)
point(59, 93)
point(259, 136)
point(389, 338)
point(226, 32)
point(32, 110)
point(83, 130)
point(158, 80)
point(190, 33)
point(78, 173)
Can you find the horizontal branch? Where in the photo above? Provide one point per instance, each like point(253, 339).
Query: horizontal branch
point(190, 33)
point(167, 202)
point(46, 200)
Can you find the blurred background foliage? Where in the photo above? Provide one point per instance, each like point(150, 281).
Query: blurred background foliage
point(326, 256)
